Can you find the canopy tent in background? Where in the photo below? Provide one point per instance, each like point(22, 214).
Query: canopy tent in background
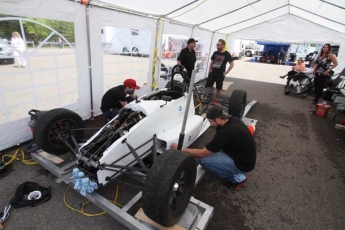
point(146, 31)
point(274, 47)
point(293, 29)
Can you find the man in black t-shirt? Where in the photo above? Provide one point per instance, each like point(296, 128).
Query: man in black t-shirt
point(187, 56)
point(232, 151)
point(116, 98)
point(217, 68)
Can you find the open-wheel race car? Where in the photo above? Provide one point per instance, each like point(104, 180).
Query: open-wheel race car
point(137, 143)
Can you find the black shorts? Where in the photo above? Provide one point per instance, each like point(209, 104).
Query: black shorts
point(215, 77)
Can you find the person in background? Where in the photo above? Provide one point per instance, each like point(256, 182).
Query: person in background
point(116, 98)
point(217, 68)
point(324, 66)
point(18, 49)
point(60, 43)
point(281, 55)
point(232, 151)
point(299, 67)
point(187, 56)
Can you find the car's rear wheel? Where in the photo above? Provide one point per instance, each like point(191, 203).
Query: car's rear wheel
point(237, 103)
point(169, 186)
point(56, 125)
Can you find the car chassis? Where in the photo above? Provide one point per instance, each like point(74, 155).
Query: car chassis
point(116, 149)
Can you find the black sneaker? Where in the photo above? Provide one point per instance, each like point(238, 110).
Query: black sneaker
point(234, 186)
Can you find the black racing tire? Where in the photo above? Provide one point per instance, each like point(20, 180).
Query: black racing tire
point(173, 170)
point(53, 121)
point(237, 103)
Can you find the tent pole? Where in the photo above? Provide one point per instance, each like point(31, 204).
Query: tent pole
point(184, 123)
point(191, 35)
point(155, 56)
point(327, 2)
point(228, 12)
point(317, 15)
point(181, 8)
point(253, 17)
point(89, 57)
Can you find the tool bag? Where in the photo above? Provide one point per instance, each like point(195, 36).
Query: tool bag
point(20, 198)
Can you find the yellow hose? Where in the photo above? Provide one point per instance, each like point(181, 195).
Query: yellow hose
point(81, 211)
point(14, 157)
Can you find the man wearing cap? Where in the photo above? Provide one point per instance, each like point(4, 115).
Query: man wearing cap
point(187, 56)
point(115, 98)
point(232, 151)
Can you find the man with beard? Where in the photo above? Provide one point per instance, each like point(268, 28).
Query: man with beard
point(217, 71)
point(232, 151)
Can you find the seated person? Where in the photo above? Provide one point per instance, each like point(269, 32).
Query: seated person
point(299, 67)
point(115, 98)
point(310, 72)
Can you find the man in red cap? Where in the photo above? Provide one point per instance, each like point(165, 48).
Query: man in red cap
point(116, 98)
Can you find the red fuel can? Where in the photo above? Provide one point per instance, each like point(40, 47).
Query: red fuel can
point(321, 110)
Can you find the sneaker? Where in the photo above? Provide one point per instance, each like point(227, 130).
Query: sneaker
point(214, 102)
point(234, 186)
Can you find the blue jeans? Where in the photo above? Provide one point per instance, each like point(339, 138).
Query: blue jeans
point(221, 164)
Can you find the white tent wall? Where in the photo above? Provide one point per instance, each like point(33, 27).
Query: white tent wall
point(169, 29)
point(205, 37)
point(17, 131)
point(99, 18)
point(292, 29)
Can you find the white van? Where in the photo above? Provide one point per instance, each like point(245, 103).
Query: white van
point(125, 41)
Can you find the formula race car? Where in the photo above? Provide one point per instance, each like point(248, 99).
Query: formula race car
point(137, 143)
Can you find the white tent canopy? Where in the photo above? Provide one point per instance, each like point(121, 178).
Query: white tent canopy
point(78, 77)
point(230, 16)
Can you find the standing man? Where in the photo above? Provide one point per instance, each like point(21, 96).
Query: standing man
point(115, 98)
point(217, 68)
point(187, 56)
point(232, 151)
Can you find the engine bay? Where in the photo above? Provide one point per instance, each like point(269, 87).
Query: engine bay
point(126, 119)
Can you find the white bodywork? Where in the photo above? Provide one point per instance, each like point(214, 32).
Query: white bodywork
point(165, 122)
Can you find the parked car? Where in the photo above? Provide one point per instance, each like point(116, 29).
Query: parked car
point(6, 52)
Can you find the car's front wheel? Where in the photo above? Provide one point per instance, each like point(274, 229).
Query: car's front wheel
point(237, 103)
point(54, 127)
point(169, 186)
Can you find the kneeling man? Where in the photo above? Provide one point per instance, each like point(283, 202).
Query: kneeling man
point(232, 151)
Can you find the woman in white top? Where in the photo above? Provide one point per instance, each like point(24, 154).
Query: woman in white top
point(18, 46)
